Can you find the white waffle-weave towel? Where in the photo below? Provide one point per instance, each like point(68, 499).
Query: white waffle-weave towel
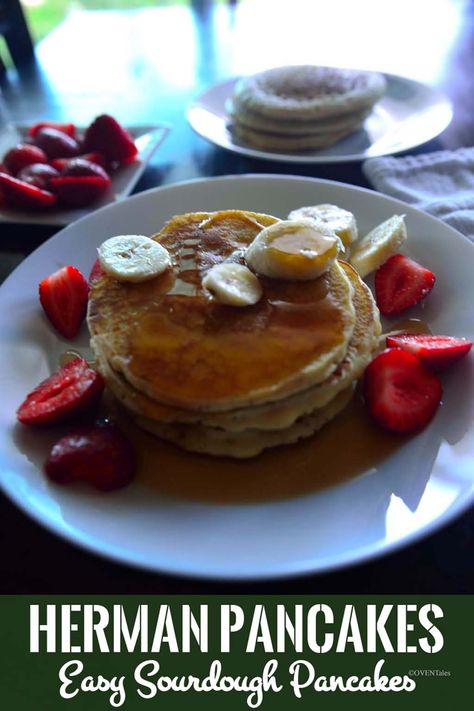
point(442, 183)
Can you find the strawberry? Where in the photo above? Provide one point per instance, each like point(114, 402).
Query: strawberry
point(73, 389)
point(400, 283)
point(436, 352)
point(18, 193)
point(56, 144)
point(98, 454)
point(400, 393)
point(93, 157)
point(80, 166)
point(38, 174)
point(22, 155)
point(59, 163)
point(68, 128)
point(106, 135)
point(96, 271)
point(63, 295)
point(79, 190)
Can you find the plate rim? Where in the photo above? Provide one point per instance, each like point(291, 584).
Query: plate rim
point(303, 159)
point(303, 566)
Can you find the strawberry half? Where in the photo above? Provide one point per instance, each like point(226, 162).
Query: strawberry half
point(107, 136)
point(56, 144)
point(68, 128)
point(93, 157)
point(400, 393)
point(436, 352)
point(79, 190)
point(63, 296)
point(21, 155)
point(400, 283)
point(96, 272)
point(73, 389)
point(98, 454)
point(17, 193)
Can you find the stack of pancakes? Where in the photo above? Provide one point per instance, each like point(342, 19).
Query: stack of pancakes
point(225, 380)
point(302, 107)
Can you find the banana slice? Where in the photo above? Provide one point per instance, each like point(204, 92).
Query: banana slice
point(376, 247)
point(340, 221)
point(133, 258)
point(233, 284)
point(293, 249)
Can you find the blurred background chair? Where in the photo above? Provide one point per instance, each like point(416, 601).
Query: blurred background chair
point(14, 30)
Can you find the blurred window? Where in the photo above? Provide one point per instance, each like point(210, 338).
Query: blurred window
point(44, 15)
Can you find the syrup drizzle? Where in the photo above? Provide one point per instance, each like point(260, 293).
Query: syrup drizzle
point(344, 448)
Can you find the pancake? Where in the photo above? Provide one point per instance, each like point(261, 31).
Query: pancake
point(250, 443)
point(224, 380)
point(269, 416)
point(174, 344)
point(268, 141)
point(300, 108)
point(288, 127)
point(302, 93)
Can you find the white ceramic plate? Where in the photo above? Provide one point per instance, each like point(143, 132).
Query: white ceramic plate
point(408, 115)
point(423, 485)
point(147, 139)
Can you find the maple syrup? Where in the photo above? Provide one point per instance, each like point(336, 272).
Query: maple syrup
point(347, 446)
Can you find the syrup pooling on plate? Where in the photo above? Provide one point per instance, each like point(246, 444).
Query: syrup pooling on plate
point(286, 472)
point(344, 448)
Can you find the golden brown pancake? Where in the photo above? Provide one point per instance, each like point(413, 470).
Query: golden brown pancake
point(268, 416)
point(178, 346)
point(249, 443)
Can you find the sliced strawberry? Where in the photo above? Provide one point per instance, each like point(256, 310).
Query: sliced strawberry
point(22, 155)
point(106, 135)
point(80, 190)
point(400, 283)
point(98, 454)
point(93, 157)
point(73, 389)
point(96, 271)
point(400, 393)
point(68, 128)
point(436, 352)
point(38, 174)
point(59, 163)
point(56, 144)
point(80, 166)
point(63, 295)
point(17, 193)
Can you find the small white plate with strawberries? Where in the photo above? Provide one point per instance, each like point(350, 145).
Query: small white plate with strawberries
point(348, 506)
point(55, 173)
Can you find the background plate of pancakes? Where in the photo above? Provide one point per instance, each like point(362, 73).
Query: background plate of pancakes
point(407, 115)
point(213, 517)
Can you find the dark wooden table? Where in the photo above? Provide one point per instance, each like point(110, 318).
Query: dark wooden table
point(144, 66)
